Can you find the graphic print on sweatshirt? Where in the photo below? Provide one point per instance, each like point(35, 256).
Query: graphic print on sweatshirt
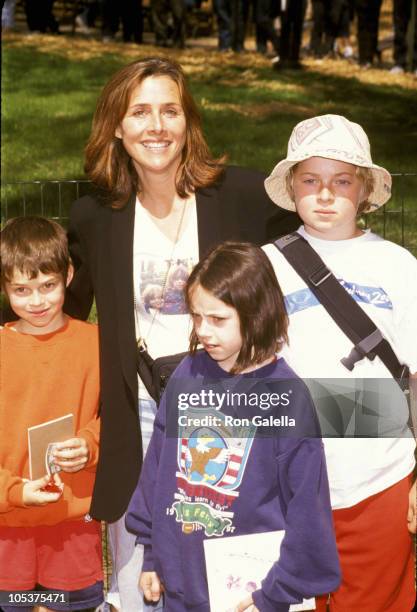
point(211, 463)
point(305, 298)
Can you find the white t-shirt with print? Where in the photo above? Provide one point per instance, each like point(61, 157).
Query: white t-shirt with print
point(161, 269)
point(382, 278)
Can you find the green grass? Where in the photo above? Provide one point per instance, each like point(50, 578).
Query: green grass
point(50, 89)
point(47, 108)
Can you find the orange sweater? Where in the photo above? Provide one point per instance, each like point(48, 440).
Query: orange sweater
point(43, 378)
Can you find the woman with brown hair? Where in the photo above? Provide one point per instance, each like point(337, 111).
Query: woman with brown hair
point(162, 201)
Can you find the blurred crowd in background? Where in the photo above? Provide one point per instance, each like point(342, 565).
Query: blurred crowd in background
point(337, 28)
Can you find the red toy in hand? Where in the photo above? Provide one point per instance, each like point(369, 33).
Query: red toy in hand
point(51, 486)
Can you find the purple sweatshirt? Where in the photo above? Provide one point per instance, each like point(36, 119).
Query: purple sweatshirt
point(218, 478)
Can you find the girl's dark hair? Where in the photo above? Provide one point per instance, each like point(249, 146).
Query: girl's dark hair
point(241, 275)
point(32, 245)
point(108, 164)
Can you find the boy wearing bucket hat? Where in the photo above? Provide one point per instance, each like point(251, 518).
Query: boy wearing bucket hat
point(329, 178)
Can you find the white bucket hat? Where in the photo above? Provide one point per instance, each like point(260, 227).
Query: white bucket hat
point(332, 137)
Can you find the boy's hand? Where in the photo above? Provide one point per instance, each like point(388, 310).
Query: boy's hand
point(151, 586)
point(246, 604)
point(33, 494)
point(412, 509)
point(71, 455)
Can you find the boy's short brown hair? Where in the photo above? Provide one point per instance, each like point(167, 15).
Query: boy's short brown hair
point(32, 245)
point(366, 176)
point(241, 275)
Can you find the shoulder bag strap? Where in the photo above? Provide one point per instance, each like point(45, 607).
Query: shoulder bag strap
point(367, 339)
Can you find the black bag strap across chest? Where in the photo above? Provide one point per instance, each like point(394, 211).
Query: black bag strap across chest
point(367, 339)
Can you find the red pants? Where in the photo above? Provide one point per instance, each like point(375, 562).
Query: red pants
point(376, 554)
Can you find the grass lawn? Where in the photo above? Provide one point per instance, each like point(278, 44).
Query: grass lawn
point(50, 86)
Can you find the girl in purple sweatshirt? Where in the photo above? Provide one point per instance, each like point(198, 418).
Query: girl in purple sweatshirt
point(236, 448)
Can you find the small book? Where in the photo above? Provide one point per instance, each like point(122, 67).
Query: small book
point(237, 565)
point(41, 440)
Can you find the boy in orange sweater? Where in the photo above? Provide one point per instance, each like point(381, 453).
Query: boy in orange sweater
point(49, 545)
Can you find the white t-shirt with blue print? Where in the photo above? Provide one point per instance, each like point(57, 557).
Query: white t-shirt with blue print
point(382, 278)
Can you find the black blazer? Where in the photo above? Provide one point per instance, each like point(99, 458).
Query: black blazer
point(101, 245)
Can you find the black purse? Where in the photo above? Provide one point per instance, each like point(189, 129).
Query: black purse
point(155, 373)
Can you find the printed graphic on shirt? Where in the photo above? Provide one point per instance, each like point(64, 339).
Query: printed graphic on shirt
point(161, 285)
point(305, 298)
point(211, 462)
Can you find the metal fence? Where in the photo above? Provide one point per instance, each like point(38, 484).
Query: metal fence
point(396, 221)
point(46, 198)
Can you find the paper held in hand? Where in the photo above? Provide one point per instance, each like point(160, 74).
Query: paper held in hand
point(41, 439)
point(237, 565)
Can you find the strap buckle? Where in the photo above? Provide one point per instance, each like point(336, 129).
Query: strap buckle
point(319, 276)
point(363, 349)
point(284, 241)
point(141, 344)
point(403, 379)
